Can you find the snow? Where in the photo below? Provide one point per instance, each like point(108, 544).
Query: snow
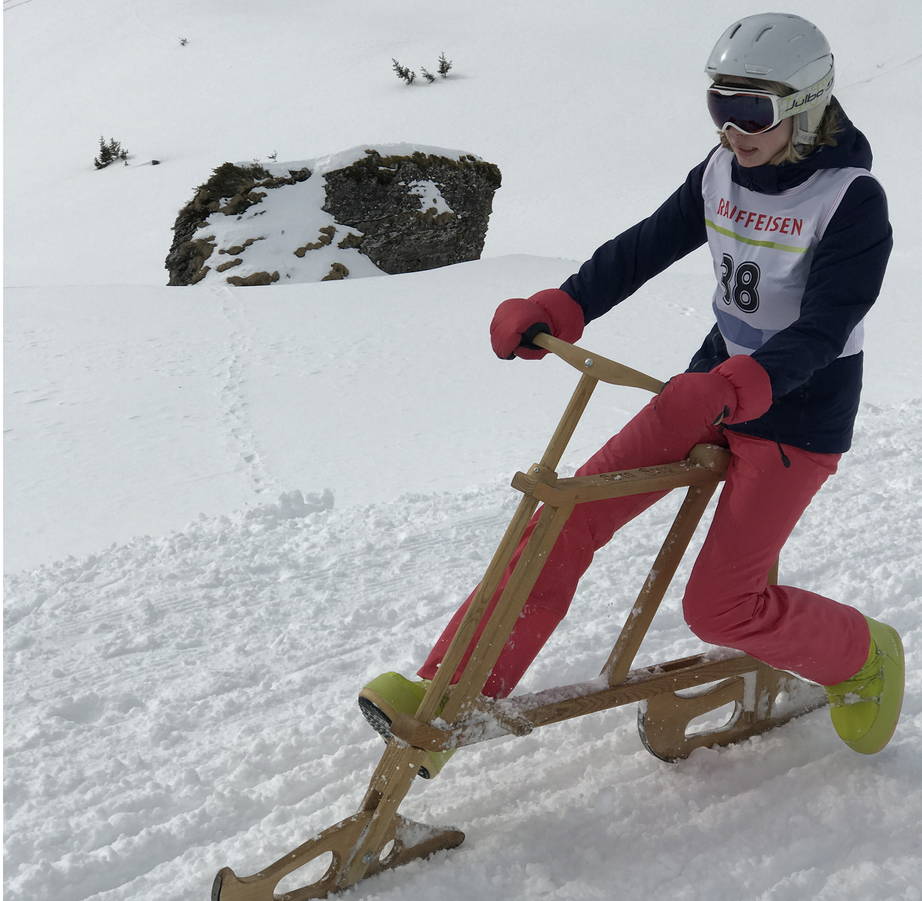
point(227, 508)
point(430, 197)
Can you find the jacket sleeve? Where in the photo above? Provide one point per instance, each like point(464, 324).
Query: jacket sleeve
point(620, 266)
point(844, 280)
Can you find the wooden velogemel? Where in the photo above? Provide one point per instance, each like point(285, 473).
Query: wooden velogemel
point(673, 695)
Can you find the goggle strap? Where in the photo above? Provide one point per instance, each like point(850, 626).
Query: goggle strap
point(809, 98)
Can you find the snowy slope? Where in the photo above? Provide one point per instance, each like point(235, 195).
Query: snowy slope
point(182, 702)
point(226, 508)
point(143, 407)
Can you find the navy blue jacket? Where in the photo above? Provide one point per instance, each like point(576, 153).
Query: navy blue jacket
point(815, 393)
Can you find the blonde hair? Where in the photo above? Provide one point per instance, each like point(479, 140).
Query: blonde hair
point(829, 127)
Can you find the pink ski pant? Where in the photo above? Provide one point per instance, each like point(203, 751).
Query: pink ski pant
point(728, 600)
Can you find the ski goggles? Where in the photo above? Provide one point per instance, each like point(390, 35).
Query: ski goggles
point(754, 112)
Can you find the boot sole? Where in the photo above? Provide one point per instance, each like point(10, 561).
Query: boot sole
point(381, 722)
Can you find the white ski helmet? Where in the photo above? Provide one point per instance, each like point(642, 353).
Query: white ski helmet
point(783, 48)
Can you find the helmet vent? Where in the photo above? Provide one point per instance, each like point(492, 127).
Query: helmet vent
point(762, 33)
point(735, 29)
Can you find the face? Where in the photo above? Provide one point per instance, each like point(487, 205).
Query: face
point(757, 150)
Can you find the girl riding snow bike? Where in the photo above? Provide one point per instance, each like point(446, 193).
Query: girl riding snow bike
point(799, 235)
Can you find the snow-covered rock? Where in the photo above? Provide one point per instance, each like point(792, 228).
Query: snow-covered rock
point(364, 211)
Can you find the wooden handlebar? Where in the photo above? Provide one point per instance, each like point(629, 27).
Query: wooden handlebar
point(597, 367)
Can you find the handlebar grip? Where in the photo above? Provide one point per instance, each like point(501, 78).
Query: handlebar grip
point(532, 332)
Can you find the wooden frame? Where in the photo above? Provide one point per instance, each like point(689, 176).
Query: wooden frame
point(672, 696)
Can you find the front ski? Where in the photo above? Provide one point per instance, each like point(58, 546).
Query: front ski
point(405, 840)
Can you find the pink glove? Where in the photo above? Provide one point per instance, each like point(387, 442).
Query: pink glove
point(737, 390)
point(555, 308)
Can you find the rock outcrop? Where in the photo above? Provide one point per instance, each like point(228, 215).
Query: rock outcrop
point(230, 191)
point(367, 211)
point(415, 212)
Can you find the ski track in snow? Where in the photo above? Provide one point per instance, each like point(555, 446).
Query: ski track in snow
point(189, 702)
point(242, 440)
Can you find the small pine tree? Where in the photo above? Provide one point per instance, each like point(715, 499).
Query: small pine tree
point(105, 155)
point(427, 74)
point(444, 66)
point(408, 75)
point(109, 153)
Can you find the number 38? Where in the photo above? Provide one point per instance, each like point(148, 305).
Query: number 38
point(742, 282)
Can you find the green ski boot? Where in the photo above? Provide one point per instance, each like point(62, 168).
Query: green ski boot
point(391, 693)
point(865, 709)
